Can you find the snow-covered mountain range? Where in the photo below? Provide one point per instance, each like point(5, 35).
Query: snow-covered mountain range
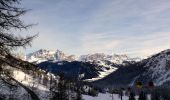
point(118, 59)
point(107, 68)
point(103, 64)
point(57, 55)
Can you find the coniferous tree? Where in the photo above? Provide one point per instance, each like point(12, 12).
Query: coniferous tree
point(62, 88)
point(131, 96)
point(10, 23)
point(93, 92)
point(78, 96)
point(9, 40)
point(142, 96)
point(61, 93)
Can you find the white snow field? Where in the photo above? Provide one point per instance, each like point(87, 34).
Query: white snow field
point(103, 74)
point(108, 96)
point(28, 80)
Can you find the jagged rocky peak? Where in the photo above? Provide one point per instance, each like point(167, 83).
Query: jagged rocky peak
point(57, 55)
point(45, 55)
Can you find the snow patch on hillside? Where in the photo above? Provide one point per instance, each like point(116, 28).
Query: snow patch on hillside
point(33, 83)
point(102, 74)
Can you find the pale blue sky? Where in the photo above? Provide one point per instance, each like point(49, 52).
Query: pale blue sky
point(133, 27)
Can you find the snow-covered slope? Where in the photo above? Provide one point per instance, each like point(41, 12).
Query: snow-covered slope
point(34, 83)
point(102, 74)
point(106, 96)
point(7, 92)
point(23, 85)
point(158, 68)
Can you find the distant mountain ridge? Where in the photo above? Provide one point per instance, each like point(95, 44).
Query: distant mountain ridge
point(57, 55)
point(45, 55)
point(94, 66)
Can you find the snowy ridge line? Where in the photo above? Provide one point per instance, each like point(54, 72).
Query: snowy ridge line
point(57, 55)
point(158, 68)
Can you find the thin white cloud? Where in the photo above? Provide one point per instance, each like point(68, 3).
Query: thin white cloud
point(138, 28)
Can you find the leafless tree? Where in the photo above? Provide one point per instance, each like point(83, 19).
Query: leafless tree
point(9, 41)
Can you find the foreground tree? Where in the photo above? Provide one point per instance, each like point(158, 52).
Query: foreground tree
point(60, 90)
point(10, 23)
point(9, 41)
